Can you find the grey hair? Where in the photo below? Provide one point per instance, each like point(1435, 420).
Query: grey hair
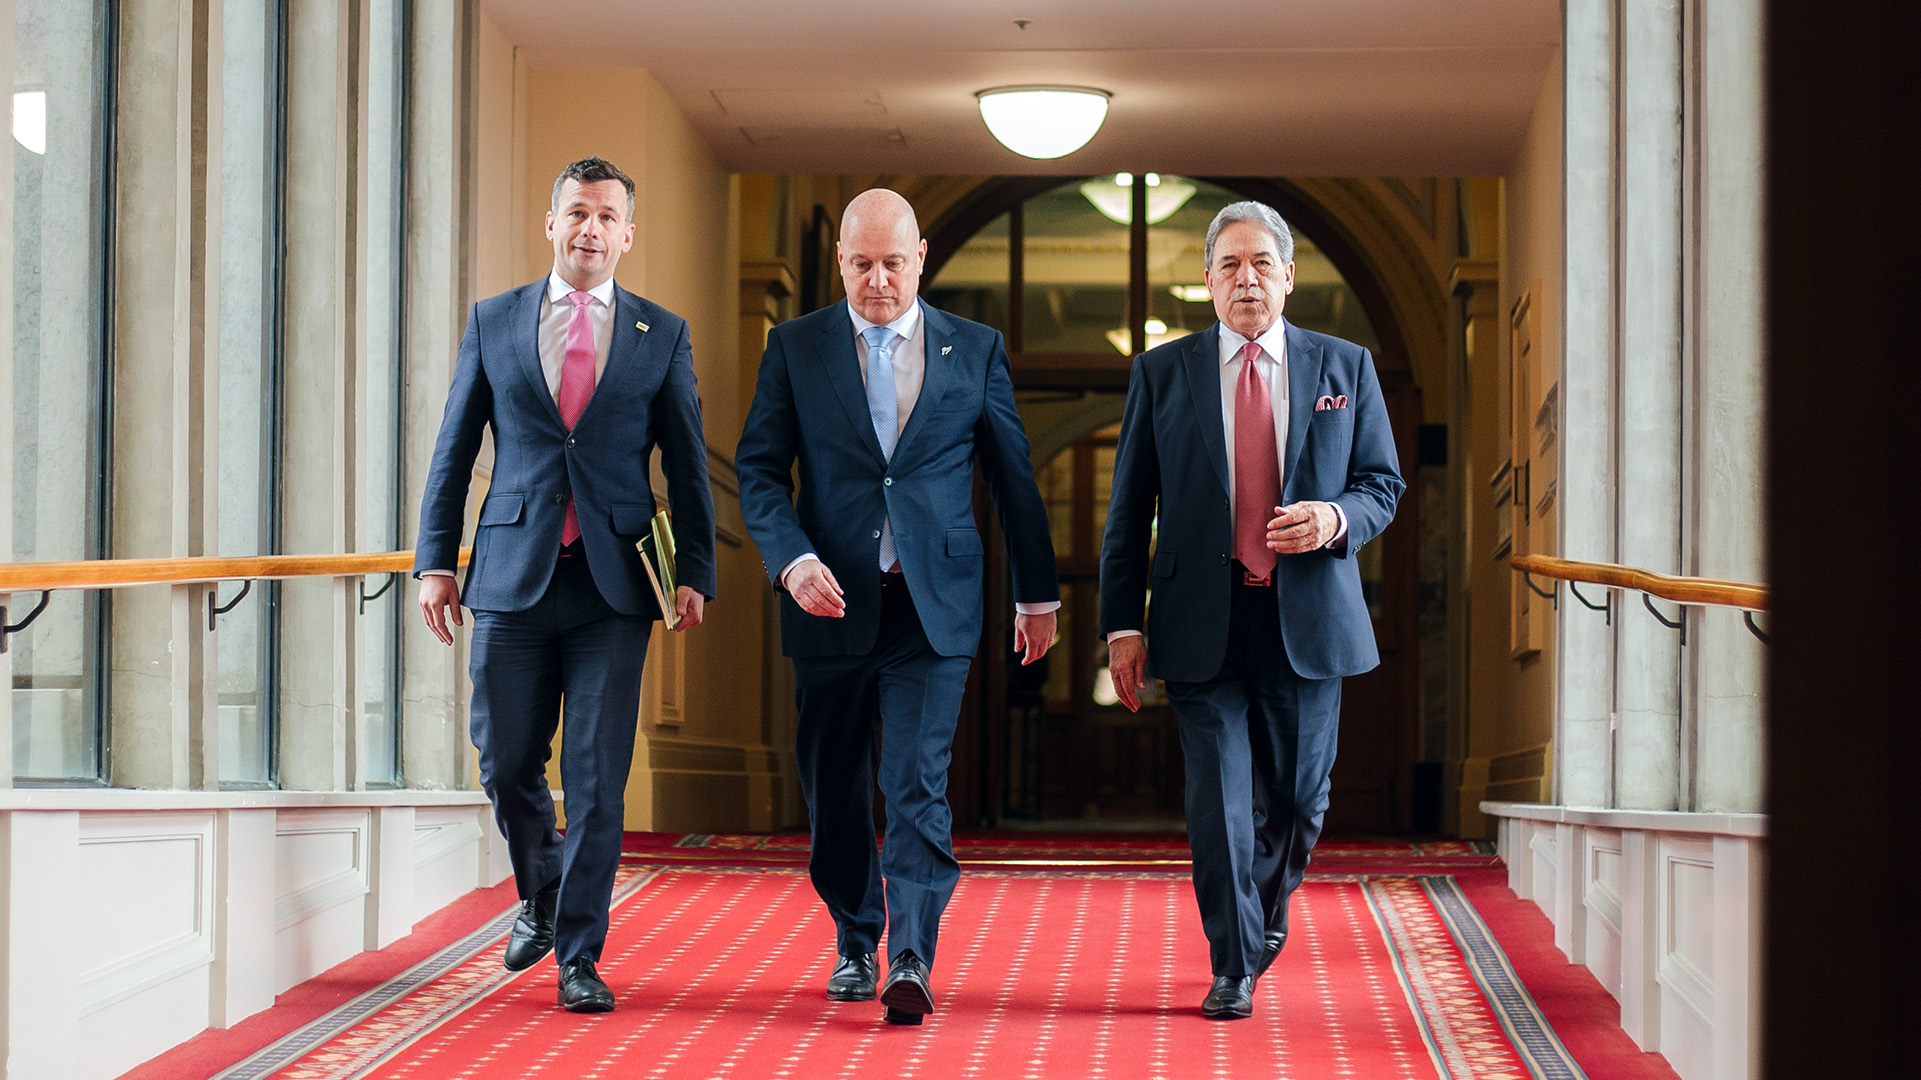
point(1260, 213)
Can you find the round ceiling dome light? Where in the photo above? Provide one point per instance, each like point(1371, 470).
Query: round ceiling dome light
point(1043, 122)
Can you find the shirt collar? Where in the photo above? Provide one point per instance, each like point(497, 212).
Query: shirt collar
point(1273, 342)
point(558, 289)
point(904, 326)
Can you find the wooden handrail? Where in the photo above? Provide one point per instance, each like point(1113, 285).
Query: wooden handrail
point(120, 573)
point(1681, 590)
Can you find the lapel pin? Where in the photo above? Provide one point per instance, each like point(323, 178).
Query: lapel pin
point(945, 349)
point(641, 326)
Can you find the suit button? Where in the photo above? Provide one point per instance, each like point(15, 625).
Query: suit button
point(889, 482)
point(877, 534)
point(1223, 560)
point(560, 499)
point(570, 442)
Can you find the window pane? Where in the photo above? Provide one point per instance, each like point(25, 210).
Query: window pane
point(54, 474)
point(378, 415)
point(973, 283)
point(246, 371)
point(1074, 264)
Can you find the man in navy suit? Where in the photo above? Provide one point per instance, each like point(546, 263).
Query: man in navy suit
point(580, 380)
point(887, 404)
point(1265, 451)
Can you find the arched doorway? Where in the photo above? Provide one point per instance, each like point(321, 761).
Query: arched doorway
point(1073, 273)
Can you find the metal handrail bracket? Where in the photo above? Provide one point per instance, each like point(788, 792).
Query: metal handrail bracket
point(1682, 625)
point(1606, 606)
point(8, 629)
point(215, 609)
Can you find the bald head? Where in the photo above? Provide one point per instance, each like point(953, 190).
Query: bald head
point(881, 252)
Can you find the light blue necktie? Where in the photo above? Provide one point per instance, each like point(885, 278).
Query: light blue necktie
point(883, 405)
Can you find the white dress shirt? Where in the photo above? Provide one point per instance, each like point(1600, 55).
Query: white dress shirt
point(910, 370)
point(1272, 366)
point(556, 311)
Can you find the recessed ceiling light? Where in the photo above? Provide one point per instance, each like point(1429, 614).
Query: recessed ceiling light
point(1043, 122)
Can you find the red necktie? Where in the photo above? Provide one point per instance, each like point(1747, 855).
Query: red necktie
point(576, 387)
point(1257, 469)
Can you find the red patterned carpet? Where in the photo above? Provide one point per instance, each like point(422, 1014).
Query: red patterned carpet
point(1088, 970)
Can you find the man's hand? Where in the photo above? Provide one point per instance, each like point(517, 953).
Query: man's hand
point(438, 595)
point(1303, 526)
point(689, 606)
point(1033, 635)
point(1127, 665)
point(815, 590)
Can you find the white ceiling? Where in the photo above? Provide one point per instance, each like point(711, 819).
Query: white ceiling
point(1206, 87)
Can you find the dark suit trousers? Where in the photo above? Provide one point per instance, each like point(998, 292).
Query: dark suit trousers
point(914, 695)
point(1259, 742)
point(569, 646)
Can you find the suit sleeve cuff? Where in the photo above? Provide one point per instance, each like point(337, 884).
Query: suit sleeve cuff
point(789, 568)
point(1045, 608)
point(1118, 634)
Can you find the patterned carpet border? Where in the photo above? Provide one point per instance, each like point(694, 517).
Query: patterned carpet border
point(1474, 1015)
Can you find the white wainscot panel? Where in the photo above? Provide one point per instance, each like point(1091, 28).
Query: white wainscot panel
point(447, 848)
point(1687, 955)
point(1601, 892)
point(320, 871)
point(132, 1030)
point(144, 894)
point(1540, 852)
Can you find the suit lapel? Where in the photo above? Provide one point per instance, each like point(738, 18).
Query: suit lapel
point(836, 351)
point(1303, 378)
point(1204, 380)
point(936, 376)
point(527, 344)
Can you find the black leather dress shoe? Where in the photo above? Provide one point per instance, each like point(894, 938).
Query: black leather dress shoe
point(533, 933)
point(1276, 937)
point(907, 995)
point(1232, 998)
point(581, 990)
point(853, 979)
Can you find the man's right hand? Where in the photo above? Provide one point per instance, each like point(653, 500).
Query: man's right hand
point(1127, 665)
point(438, 595)
point(815, 590)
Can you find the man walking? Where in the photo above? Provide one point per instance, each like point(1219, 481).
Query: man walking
point(1264, 450)
point(887, 404)
point(579, 380)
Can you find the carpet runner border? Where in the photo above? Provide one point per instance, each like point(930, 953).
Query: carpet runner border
point(1430, 975)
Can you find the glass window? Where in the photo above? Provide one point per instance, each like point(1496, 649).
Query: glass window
point(57, 443)
point(378, 515)
point(973, 282)
point(248, 378)
point(1074, 262)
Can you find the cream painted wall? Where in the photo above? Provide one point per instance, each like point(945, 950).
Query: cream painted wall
point(1531, 259)
point(701, 764)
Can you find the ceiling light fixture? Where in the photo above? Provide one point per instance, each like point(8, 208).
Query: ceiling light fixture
point(1158, 334)
point(1043, 122)
point(1113, 196)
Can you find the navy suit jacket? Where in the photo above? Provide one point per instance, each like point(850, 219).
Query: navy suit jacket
point(810, 406)
point(1172, 460)
point(646, 397)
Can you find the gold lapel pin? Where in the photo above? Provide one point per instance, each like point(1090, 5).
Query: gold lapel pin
point(641, 326)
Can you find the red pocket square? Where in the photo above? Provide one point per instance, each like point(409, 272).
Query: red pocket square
point(1329, 402)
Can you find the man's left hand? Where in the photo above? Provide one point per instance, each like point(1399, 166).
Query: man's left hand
point(1033, 636)
point(689, 605)
point(1302, 526)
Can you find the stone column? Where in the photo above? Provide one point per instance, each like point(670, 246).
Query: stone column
point(161, 673)
point(1726, 669)
point(1482, 596)
point(1583, 669)
point(319, 739)
point(1647, 483)
point(435, 751)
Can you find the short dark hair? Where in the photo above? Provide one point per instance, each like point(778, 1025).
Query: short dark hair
point(592, 170)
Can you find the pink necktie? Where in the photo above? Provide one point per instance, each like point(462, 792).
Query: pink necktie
point(576, 387)
point(1257, 469)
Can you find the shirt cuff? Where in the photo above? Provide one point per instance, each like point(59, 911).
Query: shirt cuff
point(1118, 634)
point(1340, 534)
point(789, 568)
point(1047, 608)
point(435, 573)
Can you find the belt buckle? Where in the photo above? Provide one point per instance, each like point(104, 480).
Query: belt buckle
point(1248, 578)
